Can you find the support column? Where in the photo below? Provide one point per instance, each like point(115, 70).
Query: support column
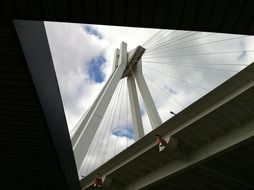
point(34, 42)
point(147, 98)
point(115, 61)
point(135, 110)
point(85, 139)
point(82, 122)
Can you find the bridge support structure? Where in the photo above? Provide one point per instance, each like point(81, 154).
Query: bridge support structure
point(126, 64)
point(233, 99)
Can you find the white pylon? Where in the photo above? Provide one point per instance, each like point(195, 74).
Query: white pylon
point(152, 112)
point(125, 65)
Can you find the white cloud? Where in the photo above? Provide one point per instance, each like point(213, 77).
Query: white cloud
point(72, 48)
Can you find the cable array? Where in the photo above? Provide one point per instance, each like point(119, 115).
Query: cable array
point(181, 65)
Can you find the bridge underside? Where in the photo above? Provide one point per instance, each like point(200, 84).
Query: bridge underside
point(214, 151)
point(211, 15)
point(232, 169)
point(27, 149)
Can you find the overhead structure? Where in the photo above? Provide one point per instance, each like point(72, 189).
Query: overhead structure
point(126, 64)
point(22, 105)
point(217, 158)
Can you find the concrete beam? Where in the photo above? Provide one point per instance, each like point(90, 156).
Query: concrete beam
point(227, 91)
point(115, 61)
point(219, 145)
point(33, 38)
point(86, 137)
point(84, 119)
point(151, 109)
point(82, 122)
point(135, 109)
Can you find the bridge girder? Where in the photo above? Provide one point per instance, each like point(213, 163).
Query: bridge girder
point(224, 99)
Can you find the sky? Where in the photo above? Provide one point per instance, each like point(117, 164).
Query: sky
point(174, 69)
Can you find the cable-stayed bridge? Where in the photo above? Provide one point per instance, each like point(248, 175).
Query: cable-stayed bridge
point(34, 139)
point(214, 124)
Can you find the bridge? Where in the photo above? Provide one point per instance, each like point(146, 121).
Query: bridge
point(218, 158)
point(214, 135)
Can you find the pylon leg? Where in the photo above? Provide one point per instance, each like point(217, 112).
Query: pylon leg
point(85, 138)
point(147, 98)
point(135, 110)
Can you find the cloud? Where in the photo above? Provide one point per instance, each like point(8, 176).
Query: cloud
point(83, 56)
point(123, 132)
point(73, 47)
point(72, 50)
point(91, 30)
point(77, 50)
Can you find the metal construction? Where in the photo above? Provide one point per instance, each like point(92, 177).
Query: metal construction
point(35, 145)
point(126, 64)
point(202, 156)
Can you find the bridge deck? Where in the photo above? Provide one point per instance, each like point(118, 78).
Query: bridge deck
point(211, 15)
point(143, 157)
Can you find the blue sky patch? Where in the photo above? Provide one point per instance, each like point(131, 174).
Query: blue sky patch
point(92, 31)
point(123, 132)
point(142, 110)
point(94, 69)
point(242, 55)
point(170, 90)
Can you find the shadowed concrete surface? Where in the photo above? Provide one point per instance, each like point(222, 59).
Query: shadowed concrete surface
point(35, 149)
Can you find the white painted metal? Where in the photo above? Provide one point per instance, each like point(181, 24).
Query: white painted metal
point(171, 145)
point(90, 122)
point(229, 90)
point(152, 112)
point(83, 142)
point(115, 61)
point(82, 122)
point(135, 110)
